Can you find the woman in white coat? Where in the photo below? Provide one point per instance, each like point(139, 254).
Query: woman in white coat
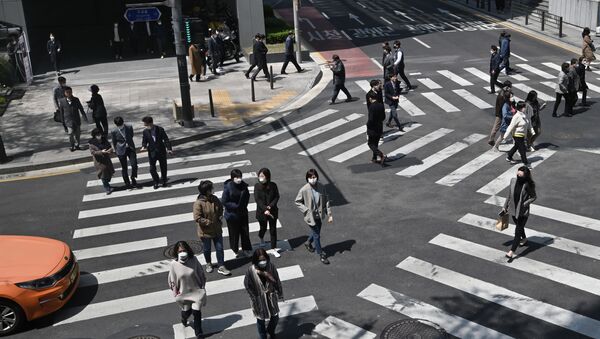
point(518, 128)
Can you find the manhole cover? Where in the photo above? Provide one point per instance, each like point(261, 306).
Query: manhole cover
point(145, 336)
point(413, 329)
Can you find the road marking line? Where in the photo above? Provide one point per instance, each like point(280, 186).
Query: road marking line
point(316, 131)
point(325, 15)
point(179, 160)
point(440, 156)
point(163, 297)
point(386, 20)
point(469, 168)
point(481, 75)
point(503, 180)
point(408, 107)
point(440, 102)
point(376, 63)
point(552, 85)
point(429, 83)
point(536, 71)
point(327, 144)
point(414, 308)
point(524, 264)
point(287, 128)
point(518, 57)
point(416, 9)
point(519, 77)
point(346, 35)
point(404, 15)
point(416, 144)
point(456, 78)
point(333, 327)
point(421, 42)
point(502, 296)
point(361, 5)
point(552, 65)
point(415, 73)
point(121, 248)
point(340, 158)
point(593, 87)
point(364, 85)
point(590, 150)
point(150, 268)
point(526, 89)
point(472, 98)
point(242, 318)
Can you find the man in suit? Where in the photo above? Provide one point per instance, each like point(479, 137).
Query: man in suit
point(391, 99)
point(59, 92)
point(156, 141)
point(289, 54)
point(260, 57)
point(54, 48)
point(254, 51)
point(339, 79)
point(70, 108)
point(495, 61)
point(122, 140)
point(399, 65)
point(214, 50)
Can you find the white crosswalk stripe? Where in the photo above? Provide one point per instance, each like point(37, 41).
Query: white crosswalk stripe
point(429, 83)
point(526, 89)
point(552, 65)
point(553, 86)
point(364, 85)
point(329, 143)
point(287, 128)
point(410, 108)
point(336, 328)
point(440, 102)
point(469, 168)
point(480, 74)
point(316, 131)
point(524, 264)
point(121, 248)
point(537, 71)
point(440, 156)
point(503, 296)
point(401, 303)
point(518, 77)
point(183, 160)
point(415, 145)
point(473, 99)
point(593, 87)
point(456, 78)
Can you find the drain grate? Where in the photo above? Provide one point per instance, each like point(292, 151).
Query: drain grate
point(413, 329)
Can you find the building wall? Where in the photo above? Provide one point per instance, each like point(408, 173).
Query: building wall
point(11, 11)
point(251, 20)
point(582, 13)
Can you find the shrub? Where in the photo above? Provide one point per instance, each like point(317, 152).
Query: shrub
point(277, 37)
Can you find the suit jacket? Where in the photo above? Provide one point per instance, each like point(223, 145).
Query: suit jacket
point(70, 112)
point(527, 197)
point(388, 65)
point(260, 54)
point(57, 94)
point(96, 104)
point(339, 73)
point(122, 141)
point(389, 89)
point(53, 47)
point(159, 146)
point(306, 204)
point(495, 61)
point(289, 46)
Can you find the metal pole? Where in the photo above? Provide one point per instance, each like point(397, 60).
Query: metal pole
point(212, 106)
point(295, 6)
point(560, 21)
point(543, 19)
point(184, 85)
point(252, 89)
point(271, 76)
point(3, 157)
point(489, 5)
point(526, 19)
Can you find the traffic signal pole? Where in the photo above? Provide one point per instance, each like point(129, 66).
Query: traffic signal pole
point(295, 6)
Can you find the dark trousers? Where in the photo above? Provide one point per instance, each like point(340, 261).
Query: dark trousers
point(584, 96)
point(263, 329)
point(519, 146)
point(272, 222)
point(373, 143)
point(130, 153)
point(214, 63)
point(162, 160)
point(117, 47)
point(55, 61)
point(559, 97)
point(102, 124)
point(238, 229)
point(250, 69)
point(290, 58)
point(400, 73)
point(336, 90)
point(494, 80)
point(519, 231)
point(570, 101)
point(263, 67)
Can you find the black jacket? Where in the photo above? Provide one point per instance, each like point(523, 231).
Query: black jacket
point(289, 46)
point(260, 53)
point(96, 104)
point(376, 118)
point(389, 90)
point(495, 61)
point(372, 94)
point(158, 147)
point(266, 195)
point(70, 112)
point(53, 47)
point(339, 73)
point(235, 200)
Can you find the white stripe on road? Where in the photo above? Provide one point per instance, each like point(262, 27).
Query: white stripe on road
point(469, 168)
point(364, 85)
point(553, 86)
point(327, 144)
point(429, 83)
point(413, 308)
point(121, 248)
point(421, 42)
point(365, 148)
point(345, 34)
point(544, 239)
point(527, 89)
point(415, 73)
point(149, 189)
point(156, 267)
point(294, 125)
point(440, 102)
point(209, 156)
point(335, 328)
point(524, 264)
point(472, 98)
point(502, 296)
point(518, 57)
point(519, 77)
point(456, 78)
point(503, 180)
point(325, 15)
point(404, 15)
point(589, 150)
point(242, 318)
point(481, 75)
point(516, 98)
point(386, 20)
point(143, 301)
point(593, 87)
point(377, 63)
point(536, 71)
point(410, 108)
point(552, 65)
point(180, 171)
point(316, 131)
point(440, 156)
point(361, 5)
point(416, 144)
point(554, 214)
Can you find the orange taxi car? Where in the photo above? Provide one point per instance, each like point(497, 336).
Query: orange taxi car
point(37, 277)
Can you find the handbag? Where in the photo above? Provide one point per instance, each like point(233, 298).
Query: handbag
point(502, 222)
point(57, 116)
point(592, 47)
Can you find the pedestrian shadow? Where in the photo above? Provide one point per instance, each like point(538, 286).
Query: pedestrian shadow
point(533, 244)
point(216, 326)
point(339, 248)
point(391, 162)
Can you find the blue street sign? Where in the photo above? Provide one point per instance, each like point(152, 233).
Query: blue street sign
point(142, 14)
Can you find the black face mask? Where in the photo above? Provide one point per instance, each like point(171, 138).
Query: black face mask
point(521, 179)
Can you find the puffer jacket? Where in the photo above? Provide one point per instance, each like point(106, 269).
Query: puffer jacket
point(235, 200)
point(519, 125)
point(208, 212)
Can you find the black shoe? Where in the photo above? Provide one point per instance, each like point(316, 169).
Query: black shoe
point(282, 73)
point(134, 182)
point(349, 100)
point(78, 148)
point(191, 77)
point(388, 125)
point(332, 102)
point(324, 259)
point(301, 70)
point(109, 191)
point(155, 186)
point(72, 149)
point(401, 129)
point(554, 115)
point(247, 76)
point(309, 247)
point(185, 315)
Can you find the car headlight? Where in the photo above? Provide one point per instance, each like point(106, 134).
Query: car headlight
point(38, 284)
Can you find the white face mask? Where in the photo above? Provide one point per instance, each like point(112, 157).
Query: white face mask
point(98, 137)
point(182, 256)
point(52, 38)
point(116, 24)
point(312, 181)
point(491, 52)
point(237, 181)
point(262, 180)
point(262, 264)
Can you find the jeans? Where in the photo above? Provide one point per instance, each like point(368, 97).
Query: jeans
point(263, 329)
point(162, 160)
point(520, 146)
point(290, 58)
point(315, 236)
point(218, 241)
point(74, 135)
point(495, 129)
point(394, 115)
point(272, 229)
point(130, 153)
point(519, 231)
point(336, 90)
point(238, 229)
point(106, 184)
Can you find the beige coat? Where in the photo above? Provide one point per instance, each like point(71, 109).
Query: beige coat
point(208, 212)
point(102, 161)
point(305, 203)
point(194, 59)
point(587, 52)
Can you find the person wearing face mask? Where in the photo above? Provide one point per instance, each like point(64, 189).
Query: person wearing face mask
point(54, 47)
point(264, 288)
point(208, 212)
point(101, 149)
point(266, 195)
point(187, 281)
point(495, 61)
point(156, 141)
point(124, 146)
point(507, 116)
point(235, 200)
point(70, 107)
point(518, 128)
point(520, 197)
point(313, 202)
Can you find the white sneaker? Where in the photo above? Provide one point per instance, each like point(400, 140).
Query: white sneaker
point(531, 149)
point(274, 252)
point(209, 268)
point(224, 271)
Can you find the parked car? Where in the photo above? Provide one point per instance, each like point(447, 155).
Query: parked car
point(37, 277)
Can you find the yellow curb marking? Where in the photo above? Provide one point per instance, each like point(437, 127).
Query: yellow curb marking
point(24, 176)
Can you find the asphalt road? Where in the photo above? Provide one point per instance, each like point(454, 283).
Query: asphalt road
point(412, 239)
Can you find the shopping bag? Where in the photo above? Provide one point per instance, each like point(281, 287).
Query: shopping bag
point(502, 222)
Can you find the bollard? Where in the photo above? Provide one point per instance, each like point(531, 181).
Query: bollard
point(543, 19)
point(526, 19)
point(3, 157)
point(252, 89)
point(212, 105)
point(560, 27)
point(271, 77)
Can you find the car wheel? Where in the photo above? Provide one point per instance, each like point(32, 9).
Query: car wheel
point(11, 317)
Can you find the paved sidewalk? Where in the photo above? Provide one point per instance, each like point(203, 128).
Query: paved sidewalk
point(134, 89)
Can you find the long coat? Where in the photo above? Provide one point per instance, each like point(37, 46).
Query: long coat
point(587, 52)
point(266, 197)
point(207, 214)
point(195, 60)
point(263, 297)
point(306, 204)
point(528, 196)
point(102, 162)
